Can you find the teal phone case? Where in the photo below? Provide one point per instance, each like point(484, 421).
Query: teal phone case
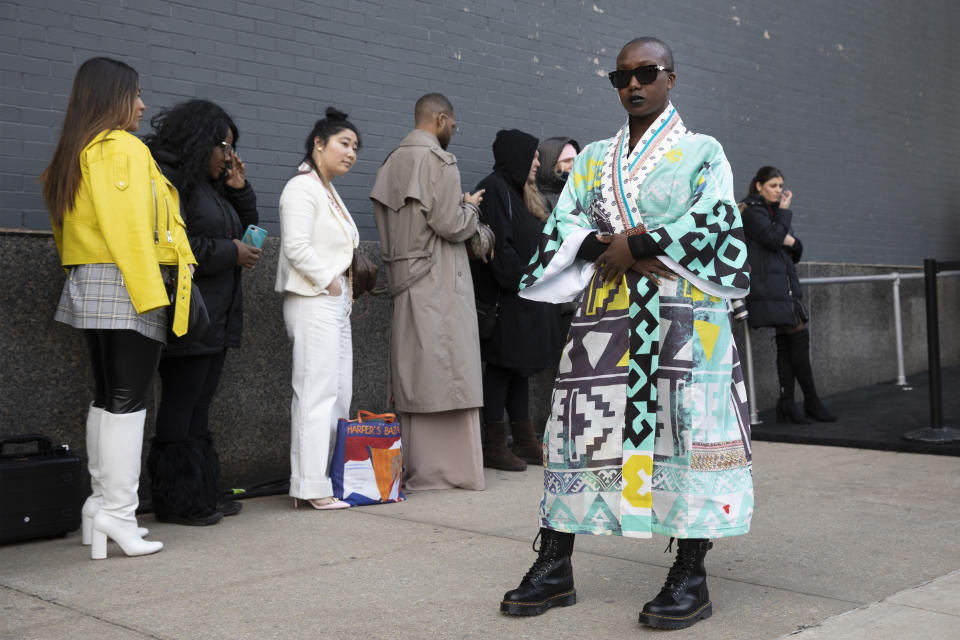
point(254, 236)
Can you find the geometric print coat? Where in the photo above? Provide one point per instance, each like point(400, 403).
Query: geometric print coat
point(648, 429)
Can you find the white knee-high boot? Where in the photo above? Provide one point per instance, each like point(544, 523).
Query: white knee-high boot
point(120, 445)
point(93, 501)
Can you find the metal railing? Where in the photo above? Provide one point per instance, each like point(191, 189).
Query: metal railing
point(894, 277)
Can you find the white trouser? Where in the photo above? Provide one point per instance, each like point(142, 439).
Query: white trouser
point(319, 327)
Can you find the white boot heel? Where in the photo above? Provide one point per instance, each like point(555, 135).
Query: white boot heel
point(98, 545)
point(86, 529)
point(121, 532)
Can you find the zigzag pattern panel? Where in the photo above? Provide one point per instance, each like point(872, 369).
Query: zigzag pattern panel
point(641, 414)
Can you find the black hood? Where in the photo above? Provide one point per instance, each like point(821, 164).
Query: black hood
point(513, 152)
point(549, 153)
point(170, 165)
point(168, 158)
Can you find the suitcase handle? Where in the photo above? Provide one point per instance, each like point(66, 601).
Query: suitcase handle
point(44, 444)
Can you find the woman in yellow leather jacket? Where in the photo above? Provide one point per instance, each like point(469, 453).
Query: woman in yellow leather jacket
point(116, 221)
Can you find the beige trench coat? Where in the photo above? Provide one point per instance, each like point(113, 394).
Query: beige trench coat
point(423, 223)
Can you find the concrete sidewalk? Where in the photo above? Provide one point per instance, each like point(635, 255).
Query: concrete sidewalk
point(837, 531)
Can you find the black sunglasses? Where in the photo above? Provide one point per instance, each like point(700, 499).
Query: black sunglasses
point(644, 75)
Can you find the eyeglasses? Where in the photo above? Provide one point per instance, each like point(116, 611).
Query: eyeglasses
point(227, 148)
point(644, 75)
point(454, 126)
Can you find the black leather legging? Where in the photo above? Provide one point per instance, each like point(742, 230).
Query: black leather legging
point(123, 365)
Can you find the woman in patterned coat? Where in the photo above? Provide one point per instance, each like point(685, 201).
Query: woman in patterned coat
point(648, 430)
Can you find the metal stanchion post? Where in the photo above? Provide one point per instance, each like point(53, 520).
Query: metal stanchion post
point(936, 432)
point(738, 310)
point(751, 393)
point(898, 330)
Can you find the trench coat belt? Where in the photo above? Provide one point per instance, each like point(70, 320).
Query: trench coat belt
point(412, 279)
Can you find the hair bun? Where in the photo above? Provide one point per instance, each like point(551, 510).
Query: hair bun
point(335, 114)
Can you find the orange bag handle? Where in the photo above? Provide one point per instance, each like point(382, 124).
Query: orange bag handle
point(363, 416)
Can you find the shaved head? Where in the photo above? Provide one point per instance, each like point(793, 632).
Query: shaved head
point(429, 106)
point(665, 53)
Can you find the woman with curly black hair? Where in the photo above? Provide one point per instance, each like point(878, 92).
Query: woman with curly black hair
point(194, 143)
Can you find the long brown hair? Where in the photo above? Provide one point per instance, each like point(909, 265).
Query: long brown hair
point(534, 201)
point(102, 98)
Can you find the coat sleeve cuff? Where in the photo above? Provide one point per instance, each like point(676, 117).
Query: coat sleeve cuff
point(643, 246)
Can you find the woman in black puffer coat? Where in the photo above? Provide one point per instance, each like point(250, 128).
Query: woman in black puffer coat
point(775, 298)
point(194, 145)
point(526, 337)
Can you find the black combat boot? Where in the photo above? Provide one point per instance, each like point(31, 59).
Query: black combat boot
point(549, 582)
point(684, 598)
point(787, 410)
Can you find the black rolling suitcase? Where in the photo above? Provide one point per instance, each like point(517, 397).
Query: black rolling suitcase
point(39, 488)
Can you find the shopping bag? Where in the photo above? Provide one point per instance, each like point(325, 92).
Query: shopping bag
point(367, 459)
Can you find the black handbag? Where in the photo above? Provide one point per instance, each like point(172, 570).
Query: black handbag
point(198, 320)
point(365, 274)
point(800, 311)
point(487, 317)
point(487, 313)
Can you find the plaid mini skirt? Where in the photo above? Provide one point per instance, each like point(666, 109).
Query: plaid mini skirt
point(94, 297)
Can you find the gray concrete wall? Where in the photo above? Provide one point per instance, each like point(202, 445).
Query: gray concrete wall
point(45, 383)
point(852, 99)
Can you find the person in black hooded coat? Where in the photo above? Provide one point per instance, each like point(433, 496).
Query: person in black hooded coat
point(194, 145)
point(526, 337)
point(775, 298)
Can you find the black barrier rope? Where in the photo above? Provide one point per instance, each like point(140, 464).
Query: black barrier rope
point(936, 433)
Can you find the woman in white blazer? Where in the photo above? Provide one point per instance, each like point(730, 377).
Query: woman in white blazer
point(318, 239)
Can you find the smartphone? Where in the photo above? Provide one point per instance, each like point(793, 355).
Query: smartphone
point(254, 236)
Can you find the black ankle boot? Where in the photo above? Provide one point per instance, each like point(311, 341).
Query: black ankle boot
point(549, 582)
point(815, 409)
point(684, 598)
point(525, 443)
point(496, 455)
point(787, 412)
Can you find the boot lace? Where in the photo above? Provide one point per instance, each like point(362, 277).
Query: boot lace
point(682, 568)
point(547, 554)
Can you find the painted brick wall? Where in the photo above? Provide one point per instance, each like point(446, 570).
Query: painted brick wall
point(855, 101)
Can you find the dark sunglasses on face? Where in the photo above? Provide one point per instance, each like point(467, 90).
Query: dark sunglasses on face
point(644, 75)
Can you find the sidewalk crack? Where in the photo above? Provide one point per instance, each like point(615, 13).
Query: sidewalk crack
point(86, 614)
